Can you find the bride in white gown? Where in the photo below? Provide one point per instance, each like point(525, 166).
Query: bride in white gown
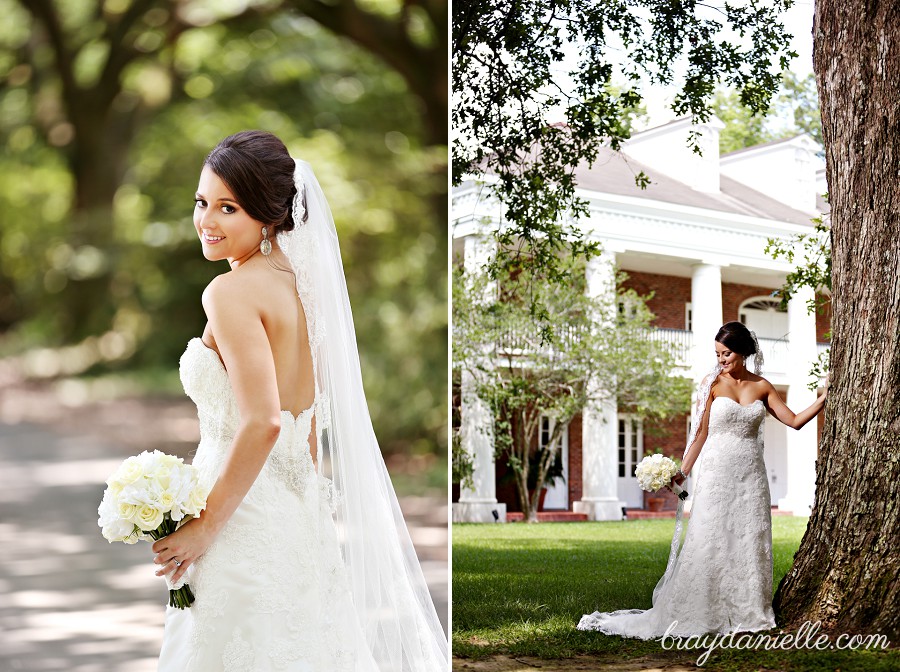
point(301, 560)
point(721, 581)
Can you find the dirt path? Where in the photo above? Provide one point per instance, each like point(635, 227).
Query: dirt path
point(526, 664)
point(68, 599)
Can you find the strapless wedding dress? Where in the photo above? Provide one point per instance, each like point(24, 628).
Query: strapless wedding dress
point(271, 591)
point(722, 579)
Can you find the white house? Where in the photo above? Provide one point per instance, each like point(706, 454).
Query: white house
point(696, 237)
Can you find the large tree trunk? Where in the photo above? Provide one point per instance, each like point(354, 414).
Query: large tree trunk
point(847, 571)
point(98, 160)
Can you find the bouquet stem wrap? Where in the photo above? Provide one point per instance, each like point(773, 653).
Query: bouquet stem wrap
point(180, 594)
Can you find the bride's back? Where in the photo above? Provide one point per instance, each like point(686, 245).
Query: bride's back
point(262, 290)
point(285, 324)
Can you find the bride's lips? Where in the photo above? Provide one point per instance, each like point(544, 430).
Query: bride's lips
point(211, 240)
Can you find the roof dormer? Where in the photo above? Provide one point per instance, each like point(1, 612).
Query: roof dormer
point(785, 170)
point(667, 149)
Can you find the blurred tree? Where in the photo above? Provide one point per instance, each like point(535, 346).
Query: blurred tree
point(798, 102)
point(795, 110)
point(742, 127)
point(408, 35)
point(106, 112)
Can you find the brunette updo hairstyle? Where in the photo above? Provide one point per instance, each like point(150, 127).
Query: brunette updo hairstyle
point(259, 171)
point(736, 337)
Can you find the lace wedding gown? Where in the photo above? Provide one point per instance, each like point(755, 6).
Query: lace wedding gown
point(722, 579)
point(271, 591)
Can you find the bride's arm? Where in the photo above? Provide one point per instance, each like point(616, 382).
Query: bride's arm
point(796, 420)
point(244, 347)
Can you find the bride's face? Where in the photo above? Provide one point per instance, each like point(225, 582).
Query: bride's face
point(224, 227)
point(728, 360)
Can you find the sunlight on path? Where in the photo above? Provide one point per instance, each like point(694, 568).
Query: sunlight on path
point(71, 601)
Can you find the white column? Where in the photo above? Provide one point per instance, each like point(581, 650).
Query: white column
point(706, 319)
point(706, 316)
point(599, 458)
point(801, 445)
point(477, 504)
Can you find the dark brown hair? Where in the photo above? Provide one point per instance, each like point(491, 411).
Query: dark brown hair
point(736, 337)
point(257, 168)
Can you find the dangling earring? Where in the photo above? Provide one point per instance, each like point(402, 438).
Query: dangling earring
point(265, 246)
point(744, 362)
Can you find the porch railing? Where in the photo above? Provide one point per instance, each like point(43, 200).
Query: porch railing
point(680, 341)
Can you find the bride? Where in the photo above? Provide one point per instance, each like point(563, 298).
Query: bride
point(301, 559)
point(721, 581)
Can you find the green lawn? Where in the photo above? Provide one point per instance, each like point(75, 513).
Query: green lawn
point(520, 589)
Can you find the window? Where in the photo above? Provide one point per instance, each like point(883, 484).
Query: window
point(630, 444)
point(688, 317)
point(621, 448)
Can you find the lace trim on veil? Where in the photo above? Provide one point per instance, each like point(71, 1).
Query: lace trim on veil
point(675, 547)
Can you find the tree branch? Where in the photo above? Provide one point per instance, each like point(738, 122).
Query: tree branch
point(44, 13)
point(389, 41)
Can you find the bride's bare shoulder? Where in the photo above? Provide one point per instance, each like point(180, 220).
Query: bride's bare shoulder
point(230, 293)
point(762, 383)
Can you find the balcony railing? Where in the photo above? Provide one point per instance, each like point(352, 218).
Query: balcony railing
point(776, 351)
point(680, 342)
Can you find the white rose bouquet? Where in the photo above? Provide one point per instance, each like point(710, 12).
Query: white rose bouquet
point(656, 471)
point(146, 499)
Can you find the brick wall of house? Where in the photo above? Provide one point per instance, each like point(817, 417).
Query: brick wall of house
point(670, 294)
point(669, 436)
point(575, 452)
point(823, 322)
point(506, 485)
point(733, 295)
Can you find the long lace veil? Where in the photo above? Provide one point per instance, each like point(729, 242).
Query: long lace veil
point(389, 592)
point(702, 397)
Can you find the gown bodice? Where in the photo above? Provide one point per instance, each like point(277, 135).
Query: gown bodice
point(271, 591)
point(206, 382)
point(730, 418)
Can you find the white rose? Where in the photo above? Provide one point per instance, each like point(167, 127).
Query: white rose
point(130, 471)
point(148, 518)
point(196, 502)
point(126, 510)
point(166, 501)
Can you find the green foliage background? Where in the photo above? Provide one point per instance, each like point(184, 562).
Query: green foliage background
point(335, 105)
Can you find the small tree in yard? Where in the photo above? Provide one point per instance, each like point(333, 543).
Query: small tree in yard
point(580, 351)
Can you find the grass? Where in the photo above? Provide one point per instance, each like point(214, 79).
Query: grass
point(520, 589)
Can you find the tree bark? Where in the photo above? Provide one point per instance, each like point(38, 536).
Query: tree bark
point(423, 67)
point(847, 570)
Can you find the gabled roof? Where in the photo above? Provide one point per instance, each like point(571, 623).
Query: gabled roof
point(613, 173)
point(809, 142)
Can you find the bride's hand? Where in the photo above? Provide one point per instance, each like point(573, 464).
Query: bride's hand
point(178, 551)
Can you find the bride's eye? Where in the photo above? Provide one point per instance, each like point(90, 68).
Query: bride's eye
point(199, 202)
point(229, 209)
